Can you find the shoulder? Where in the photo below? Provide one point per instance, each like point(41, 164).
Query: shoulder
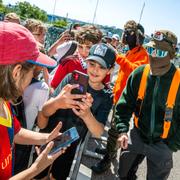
point(70, 60)
point(38, 86)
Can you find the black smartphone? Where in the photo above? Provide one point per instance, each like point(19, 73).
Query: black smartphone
point(81, 79)
point(63, 140)
point(70, 28)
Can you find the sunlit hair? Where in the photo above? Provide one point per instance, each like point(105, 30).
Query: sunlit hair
point(8, 88)
point(88, 33)
point(36, 27)
point(12, 17)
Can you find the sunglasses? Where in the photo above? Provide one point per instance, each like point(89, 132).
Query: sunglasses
point(159, 36)
point(129, 32)
point(156, 52)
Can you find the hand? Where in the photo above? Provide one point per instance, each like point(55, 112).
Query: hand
point(66, 100)
point(54, 133)
point(123, 140)
point(44, 159)
point(65, 36)
point(84, 106)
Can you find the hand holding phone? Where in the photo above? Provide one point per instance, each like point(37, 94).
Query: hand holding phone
point(62, 141)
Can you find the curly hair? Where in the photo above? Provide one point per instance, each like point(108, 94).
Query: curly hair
point(88, 33)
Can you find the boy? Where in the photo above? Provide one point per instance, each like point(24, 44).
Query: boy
point(100, 62)
point(86, 37)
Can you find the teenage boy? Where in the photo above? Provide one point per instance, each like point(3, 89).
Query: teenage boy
point(80, 114)
point(86, 37)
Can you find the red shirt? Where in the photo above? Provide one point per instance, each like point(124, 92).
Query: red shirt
point(5, 149)
point(68, 65)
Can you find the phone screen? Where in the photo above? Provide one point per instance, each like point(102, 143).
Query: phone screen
point(63, 140)
point(81, 79)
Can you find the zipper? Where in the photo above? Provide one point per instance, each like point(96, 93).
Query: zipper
point(153, 108)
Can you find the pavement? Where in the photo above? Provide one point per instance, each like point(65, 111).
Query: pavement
point(111, 174)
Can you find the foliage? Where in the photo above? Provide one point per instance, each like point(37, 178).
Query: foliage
point(60, 23)
point(26, 10)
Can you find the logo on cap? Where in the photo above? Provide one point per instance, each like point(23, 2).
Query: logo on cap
point(100, 50)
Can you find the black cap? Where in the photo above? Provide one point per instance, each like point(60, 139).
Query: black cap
point(104, 54)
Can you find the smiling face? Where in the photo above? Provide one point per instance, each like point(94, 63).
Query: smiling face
point(96, 72)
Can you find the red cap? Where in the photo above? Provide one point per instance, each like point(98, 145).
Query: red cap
point(17, 44)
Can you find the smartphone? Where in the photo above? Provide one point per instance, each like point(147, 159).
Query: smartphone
point(81, 79)
point(70, 28)
point(63, 140)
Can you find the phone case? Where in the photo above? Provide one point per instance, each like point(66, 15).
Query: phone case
point(81, 79)
point(63, 140)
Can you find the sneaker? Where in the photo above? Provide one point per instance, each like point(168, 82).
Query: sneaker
point(102, 165)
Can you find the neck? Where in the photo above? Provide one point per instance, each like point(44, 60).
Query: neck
point(159, 66)
point(96, 85)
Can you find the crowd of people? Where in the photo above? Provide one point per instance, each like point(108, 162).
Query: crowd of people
point(37, 103)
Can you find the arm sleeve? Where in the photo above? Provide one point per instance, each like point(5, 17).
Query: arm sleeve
point(126, 105)
point(60, 73)
point(17, 125)
point(128, 66)
point(65, 81)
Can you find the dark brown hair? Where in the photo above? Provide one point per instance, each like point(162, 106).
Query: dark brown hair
point(8, 88)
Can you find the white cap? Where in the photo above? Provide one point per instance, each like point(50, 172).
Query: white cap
point(65, 49)
point(116, 37)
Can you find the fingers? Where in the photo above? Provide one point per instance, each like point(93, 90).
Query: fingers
point(55, 132)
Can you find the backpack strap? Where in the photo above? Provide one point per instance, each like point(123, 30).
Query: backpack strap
point(170, 103)
point(141, 93)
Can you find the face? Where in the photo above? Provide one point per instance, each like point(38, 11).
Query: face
point(84, 49)
point(129, 38)
point(22, 79)
point(114, 42)
point(40, 37)
point(96, 72)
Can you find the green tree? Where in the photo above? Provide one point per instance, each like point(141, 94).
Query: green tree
point(26, 10)
point(60, 23)
point(2, 7)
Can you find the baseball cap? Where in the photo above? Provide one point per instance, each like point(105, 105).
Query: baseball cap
point(102, 53)
point(65, 49)
point(116, 37)
point(163, 41)
point(17, 44)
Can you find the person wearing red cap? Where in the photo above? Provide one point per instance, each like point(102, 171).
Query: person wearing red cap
point(18, 54)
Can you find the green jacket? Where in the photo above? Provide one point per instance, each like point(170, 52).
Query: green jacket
point(152, 112)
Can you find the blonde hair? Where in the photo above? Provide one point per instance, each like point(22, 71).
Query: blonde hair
point(12, 17)
point(36, 27)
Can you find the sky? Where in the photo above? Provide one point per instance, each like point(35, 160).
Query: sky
point(157, 14)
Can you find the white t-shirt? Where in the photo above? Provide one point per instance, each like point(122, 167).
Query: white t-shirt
point(35, 95)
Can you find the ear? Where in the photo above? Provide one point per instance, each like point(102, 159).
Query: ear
point(16, 73)
point(110, 70)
